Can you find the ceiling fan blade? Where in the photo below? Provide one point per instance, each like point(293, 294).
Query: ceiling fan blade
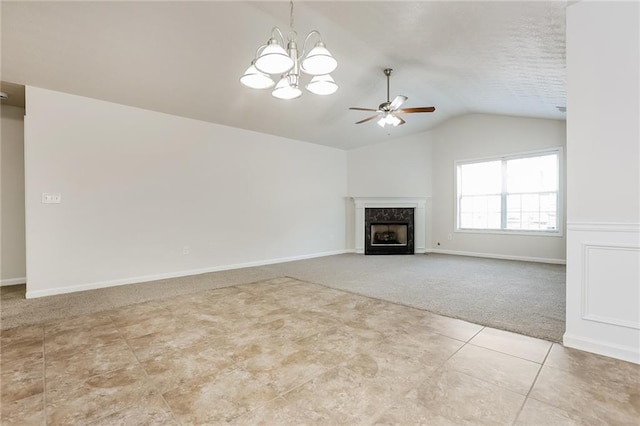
point(417, 109)
point(401, 121)
point(367, 119)
point(363, 109)
point(397, 101)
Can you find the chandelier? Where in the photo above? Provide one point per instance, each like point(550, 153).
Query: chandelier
point(273, 59)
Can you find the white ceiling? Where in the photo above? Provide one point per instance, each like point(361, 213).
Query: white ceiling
point(185, 58)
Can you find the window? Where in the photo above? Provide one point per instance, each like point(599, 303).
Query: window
point(518, 193)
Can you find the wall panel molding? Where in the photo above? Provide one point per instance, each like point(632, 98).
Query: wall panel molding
point(604, 226)
point(603, 289)
point(599, 277)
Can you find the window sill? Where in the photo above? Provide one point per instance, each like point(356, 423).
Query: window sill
point(511, 232)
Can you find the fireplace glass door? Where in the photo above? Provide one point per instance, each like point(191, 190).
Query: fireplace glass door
point(389, 234)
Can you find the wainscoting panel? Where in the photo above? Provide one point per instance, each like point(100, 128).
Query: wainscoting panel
point(611, 269)
point(603, 289)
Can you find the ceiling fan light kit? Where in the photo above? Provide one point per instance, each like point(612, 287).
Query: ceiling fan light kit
point(272, 58)
point(389, 119)
point(391, 109)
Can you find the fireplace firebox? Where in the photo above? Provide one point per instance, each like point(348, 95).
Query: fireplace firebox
point(389, 231)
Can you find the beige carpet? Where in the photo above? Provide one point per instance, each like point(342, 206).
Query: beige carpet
point(527, 298)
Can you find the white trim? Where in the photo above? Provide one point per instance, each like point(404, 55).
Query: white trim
point(585, 311)
point(362, 202)
point(625, 353)
point(419, 204)
point(13, 281)
point(512, 156)
point(500, 256)
point(133, 280)
point(559, 232)
point(603, 226)
point(510, 232)
point(603, 333)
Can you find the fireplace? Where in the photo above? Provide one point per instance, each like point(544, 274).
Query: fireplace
point(415, 209)
point(389, 231)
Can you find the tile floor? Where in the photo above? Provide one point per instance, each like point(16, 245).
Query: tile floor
point(288, 352)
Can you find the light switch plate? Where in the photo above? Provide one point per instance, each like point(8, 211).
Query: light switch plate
point(50, 198)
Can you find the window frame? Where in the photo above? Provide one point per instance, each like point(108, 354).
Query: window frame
point(558, 232)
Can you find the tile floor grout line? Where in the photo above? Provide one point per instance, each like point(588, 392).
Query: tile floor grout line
point(533, 383)
point(478, 378)
point(479, 331)
point(455, 338)
point(307, 381)
point(44, 374)
point(116, 369)
point(143, 369)
point(515, 356)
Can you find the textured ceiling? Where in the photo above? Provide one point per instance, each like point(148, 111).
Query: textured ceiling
point(185, 58)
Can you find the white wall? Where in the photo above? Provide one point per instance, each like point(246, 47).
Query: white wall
point(399, 168)
point(603, 153)
point(12, 237)
point(476, 136)
point(138, 186)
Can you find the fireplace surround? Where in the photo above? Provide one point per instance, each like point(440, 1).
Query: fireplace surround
point(418, 205)
point(389, 230)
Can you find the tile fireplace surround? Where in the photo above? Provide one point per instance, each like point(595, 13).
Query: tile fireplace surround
point(420, 215)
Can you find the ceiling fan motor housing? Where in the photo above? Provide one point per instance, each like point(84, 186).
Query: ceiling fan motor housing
point(385, 106)
point(391, 109)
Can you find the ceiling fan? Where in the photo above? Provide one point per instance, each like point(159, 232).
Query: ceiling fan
point(391, 109)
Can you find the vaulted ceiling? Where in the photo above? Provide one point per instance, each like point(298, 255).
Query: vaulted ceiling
point(185, 58)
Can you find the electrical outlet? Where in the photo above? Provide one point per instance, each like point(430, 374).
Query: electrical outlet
point(185, 250)
point(450, 237)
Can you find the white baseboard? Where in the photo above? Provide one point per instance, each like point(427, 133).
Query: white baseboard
point(499, 256)
point(624, 353)
point(133, 280)
point(13, 281)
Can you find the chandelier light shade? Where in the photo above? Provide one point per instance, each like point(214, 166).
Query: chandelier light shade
point(285, 90)
point(256, 79)
point(322, 85)
point(274, 59)
point(319, 61)
point(273, 62)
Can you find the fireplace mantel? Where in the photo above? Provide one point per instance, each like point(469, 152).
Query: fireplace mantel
point(420, 217)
